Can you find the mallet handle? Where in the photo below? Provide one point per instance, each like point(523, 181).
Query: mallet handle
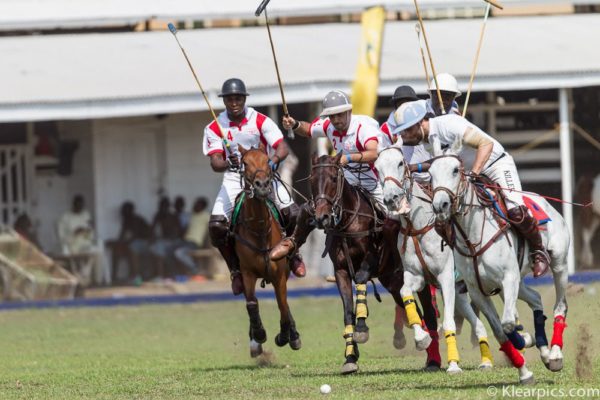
point(174, 32)
point(474, 70)
point(261, 7)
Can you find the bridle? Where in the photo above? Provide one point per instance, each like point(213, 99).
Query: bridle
point(249, 180)
point(406, 175)
point(456, 198)
point(335, 201)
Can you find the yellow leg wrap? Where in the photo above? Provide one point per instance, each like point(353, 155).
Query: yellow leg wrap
point(484, 349)
point(361, 301)
point(411, 311)
point(451, 344)
point(348, 336)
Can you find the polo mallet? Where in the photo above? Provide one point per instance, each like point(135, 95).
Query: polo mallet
point(418, 30)
point(490, 3)
point(263, 7)
point(225, 141)
point(437, 86)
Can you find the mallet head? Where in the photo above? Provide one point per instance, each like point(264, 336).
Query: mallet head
point(172, 28)
point(261, 7)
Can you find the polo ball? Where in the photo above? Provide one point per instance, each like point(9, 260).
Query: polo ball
point(325, 389)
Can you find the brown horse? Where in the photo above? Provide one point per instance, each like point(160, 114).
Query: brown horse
point(256, 232)
point(355, 244)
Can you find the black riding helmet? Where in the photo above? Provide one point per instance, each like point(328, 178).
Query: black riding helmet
point(404, 93)
point(233, 86)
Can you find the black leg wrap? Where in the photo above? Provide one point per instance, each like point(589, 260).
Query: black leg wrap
point(257, 332)
point(539, 320)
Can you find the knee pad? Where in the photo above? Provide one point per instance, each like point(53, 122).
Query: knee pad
point(218, 230)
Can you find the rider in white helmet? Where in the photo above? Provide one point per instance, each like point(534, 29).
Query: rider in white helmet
point(490, 157)
point(449, 92)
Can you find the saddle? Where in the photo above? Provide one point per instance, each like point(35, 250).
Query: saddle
point(378, 209)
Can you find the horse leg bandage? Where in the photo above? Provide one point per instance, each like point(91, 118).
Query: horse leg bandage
point(516, 339)
point(433, 351)
point(361, 301)
point(559, 327)
point(411, 311)
point(349, 338)
point(513, 354)
point(539, 321)
point(451, 344)
point(484, 349)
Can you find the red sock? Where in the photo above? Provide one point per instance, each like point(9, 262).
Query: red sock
point(559, 327)
point(513, 354)
point(433, 351)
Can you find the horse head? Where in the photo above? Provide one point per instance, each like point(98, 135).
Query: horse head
point(393, 171)
point(256, 171)
point(448, 182)
point(327, 184)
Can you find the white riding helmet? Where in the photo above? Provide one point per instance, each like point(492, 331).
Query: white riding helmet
point(409, 114)
point(335, 102)
point(447, 83)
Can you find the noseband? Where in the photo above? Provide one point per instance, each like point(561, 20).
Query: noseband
point(406, 172)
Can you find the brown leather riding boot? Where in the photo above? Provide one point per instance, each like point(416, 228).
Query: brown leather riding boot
point(290, 244)
point(297, 266)
point(528, 227)
point(233, 264)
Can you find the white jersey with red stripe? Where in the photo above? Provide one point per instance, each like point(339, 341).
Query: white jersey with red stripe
point(254, 129)
point(362, 129)
point(412, 154)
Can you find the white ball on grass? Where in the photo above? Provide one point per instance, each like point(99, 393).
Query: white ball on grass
point(325, 389)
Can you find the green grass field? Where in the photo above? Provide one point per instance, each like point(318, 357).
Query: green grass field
point(201, 351)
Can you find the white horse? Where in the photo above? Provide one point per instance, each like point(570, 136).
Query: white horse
point(486, 255)
point(424, 258)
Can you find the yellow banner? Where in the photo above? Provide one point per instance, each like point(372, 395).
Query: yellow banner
point(364, 88)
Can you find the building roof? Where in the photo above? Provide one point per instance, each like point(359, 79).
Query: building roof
point(122, 74)
point(51, 14)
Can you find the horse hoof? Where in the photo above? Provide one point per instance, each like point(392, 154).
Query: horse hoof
point(528, 380)
point(432, 368)
point(453, 368)
point(349, 368)
point(486, 366)
point(361, 337)
point(423, 343)
point(255, 349)
point(399, 341)
point(296, 344)
point(281, 341)
point(555, 365)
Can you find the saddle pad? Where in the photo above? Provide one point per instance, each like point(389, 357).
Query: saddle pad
point(538, 212)
point(238, 207)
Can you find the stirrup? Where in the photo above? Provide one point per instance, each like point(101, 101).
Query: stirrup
point(539, 252)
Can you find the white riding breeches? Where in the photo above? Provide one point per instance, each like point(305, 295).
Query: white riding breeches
point(504, 173)
point(372, 186)
point(232, 186)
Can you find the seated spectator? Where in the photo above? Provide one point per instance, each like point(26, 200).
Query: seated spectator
point(24, 227)
point(195, 238)
point(134, 240)
point(167, 231)
point(77, 237)
point(182, 215)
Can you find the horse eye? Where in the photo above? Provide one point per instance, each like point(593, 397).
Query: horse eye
point(455, 171)
point(401, 163)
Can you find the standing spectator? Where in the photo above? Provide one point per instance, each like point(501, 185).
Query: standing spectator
point(195, 237)
point(77, 237)
point(167, 231)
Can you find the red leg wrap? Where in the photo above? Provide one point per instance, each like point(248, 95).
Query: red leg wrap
point(513, 354)
point(433, 351)
point(559, 327)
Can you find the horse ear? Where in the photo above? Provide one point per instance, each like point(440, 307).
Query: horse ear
point(242, 149)
point(315, 158)
point(338, 157)
point(262, 147)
